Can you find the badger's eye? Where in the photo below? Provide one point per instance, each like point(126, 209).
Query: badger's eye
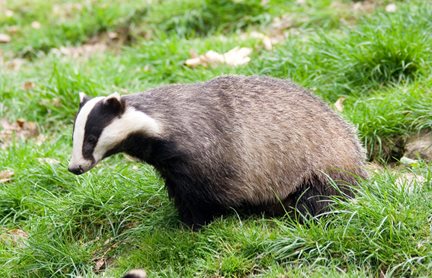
point(91, 139)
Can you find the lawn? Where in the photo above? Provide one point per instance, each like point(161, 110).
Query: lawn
point(370, 60)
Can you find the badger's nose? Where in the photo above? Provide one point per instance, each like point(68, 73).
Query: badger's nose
point(77, 170)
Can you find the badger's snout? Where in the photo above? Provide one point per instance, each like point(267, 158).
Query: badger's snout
point(77, 170)
point(80, 167)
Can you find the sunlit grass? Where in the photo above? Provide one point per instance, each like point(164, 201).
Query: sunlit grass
point(119, 213)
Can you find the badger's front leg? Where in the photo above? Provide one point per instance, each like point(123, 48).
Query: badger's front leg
point(193, 208)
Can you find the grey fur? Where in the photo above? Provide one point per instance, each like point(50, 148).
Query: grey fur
point(248, 143)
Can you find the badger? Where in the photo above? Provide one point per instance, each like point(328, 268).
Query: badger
point(249, 144)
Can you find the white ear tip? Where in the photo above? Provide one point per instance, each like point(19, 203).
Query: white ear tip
point(114, 95)
point(82, 95)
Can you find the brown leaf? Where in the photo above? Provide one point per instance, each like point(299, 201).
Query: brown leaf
point(9, 13)
point(66, 10)
point(267, 41)
point(20, 123)
point(16, 237)
point(282, 23)
point(40, 139)
point(18, 233)
point(85, 50)
point(100, 265)
point(6, 176)
point(56, 102)
point(21, 129)
point(13, 30)
point(35, 25)
point(235, 57)
point(339, 104)
point(15, 64)
point(28, 85)
point(364, 6)
point(4, 38)
point(112, 35)
point(48, 160)
point(391, 8)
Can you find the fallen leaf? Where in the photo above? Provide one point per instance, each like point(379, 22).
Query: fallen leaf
point(278, 31)
point(35, 25)
point(281, 23)
point(4, 38)
point(18, 233)
point(6, 176)
point(15, 64)
point(56, 102)
point(339, 104)
point(267, 41)
point(13, 29)
point(17, 237)
point(28, 85)
point(364, 6)
point(235, 57)
point(40, 139)
point(9, 13)
point(66, 10)
point(113, 35)
point(391, 8)
point(100, 265)
point(85, 50)
point(21, 129)
point(47, 160)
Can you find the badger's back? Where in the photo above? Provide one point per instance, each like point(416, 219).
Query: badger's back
point(251, 140)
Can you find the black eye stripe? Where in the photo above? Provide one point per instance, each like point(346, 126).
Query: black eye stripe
point(91, 139)
point(98, 118)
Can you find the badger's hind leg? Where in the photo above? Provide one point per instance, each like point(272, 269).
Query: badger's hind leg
point(314, 196)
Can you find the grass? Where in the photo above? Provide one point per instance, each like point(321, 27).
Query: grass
point(118, 216)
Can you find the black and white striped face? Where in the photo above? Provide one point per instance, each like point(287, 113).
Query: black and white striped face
point(101, 125)
point(93, 117)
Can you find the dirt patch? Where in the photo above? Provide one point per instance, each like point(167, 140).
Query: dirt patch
point(6, 176)
point(388, 150)
point(419, 146)
point(412, 147)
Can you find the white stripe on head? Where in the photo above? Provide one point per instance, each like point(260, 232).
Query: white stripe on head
point(131, 121)
point(78, 135)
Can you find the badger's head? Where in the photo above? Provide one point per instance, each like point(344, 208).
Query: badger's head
point(101, 125)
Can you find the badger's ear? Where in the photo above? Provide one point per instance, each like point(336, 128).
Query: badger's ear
point(115, 103)
point(83, 98)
